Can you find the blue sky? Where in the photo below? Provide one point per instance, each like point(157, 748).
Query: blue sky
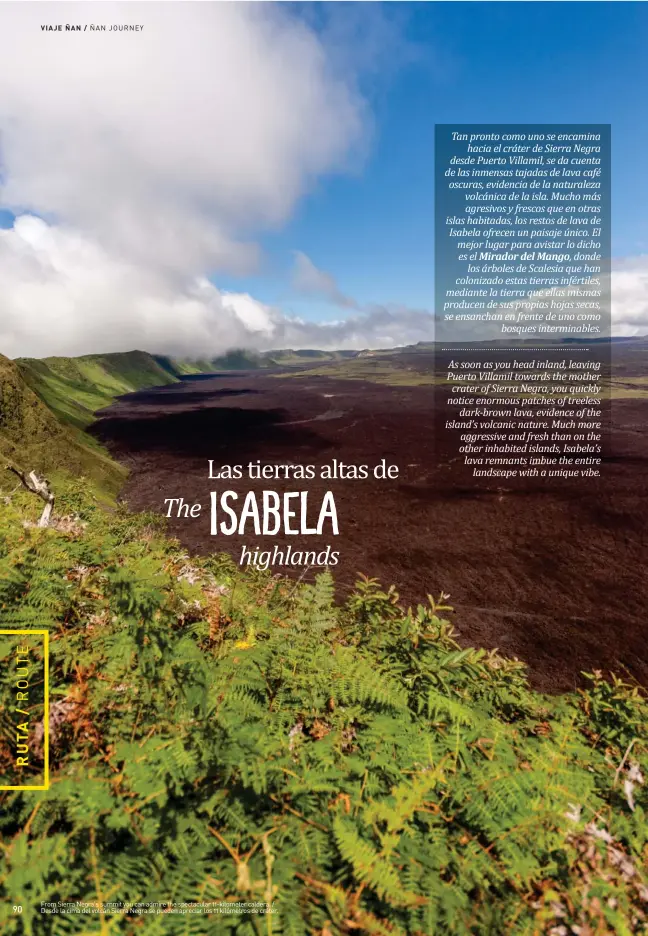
point(306, 130)
point(465, 63)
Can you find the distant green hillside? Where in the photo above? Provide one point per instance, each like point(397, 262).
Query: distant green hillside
point(288, 357)
point(241, 359)
point(33, 438)
point(237, 359)
point(46, 405)
point(179, 367)
point(382, 367)
point(75, 388)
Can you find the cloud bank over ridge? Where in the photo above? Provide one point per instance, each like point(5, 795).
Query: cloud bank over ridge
point(184, 142)
point(61, 294)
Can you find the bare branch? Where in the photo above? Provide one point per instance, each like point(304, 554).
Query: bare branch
point(40, 487)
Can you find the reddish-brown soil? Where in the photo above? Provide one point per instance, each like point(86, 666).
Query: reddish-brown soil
point(552, 573)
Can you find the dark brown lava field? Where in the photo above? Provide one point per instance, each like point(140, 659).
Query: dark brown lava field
point(552, 573)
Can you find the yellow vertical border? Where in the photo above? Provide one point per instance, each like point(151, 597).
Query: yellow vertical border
point(45, 633)
point(46, 725)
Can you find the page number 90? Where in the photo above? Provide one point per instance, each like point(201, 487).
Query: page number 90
point(17, 908)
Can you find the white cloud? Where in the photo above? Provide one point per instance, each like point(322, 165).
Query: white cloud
point(168, 146)
point(311, 281)
point(63, 294)
point(157, 156)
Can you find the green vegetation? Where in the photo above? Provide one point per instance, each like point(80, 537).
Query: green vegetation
point(290, 358)
point(376, 367)
point(223, 735)
point(241, 359)
point(33, 438)
point(627, 387)
point(75, 388)
point(45, 405)
point(236, 359)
